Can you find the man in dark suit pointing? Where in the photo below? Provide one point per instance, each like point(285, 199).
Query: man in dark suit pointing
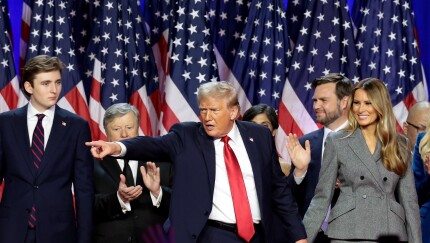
point(218, 161)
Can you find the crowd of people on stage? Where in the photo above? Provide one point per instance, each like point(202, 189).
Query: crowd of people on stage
point(356, 179)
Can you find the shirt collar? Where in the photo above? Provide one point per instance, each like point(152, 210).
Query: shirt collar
point(32, 112)
point(234, 134)
point(328, 130)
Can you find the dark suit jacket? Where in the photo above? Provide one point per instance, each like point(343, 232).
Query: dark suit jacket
point(193, 152)
point(305, 191)
point(111, 224)
point(422, 184)
point(66, 160)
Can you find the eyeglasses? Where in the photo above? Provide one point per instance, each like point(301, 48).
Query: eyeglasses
point(419, 129)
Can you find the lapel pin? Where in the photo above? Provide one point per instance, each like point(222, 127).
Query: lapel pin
point(251, 139)
point(63, 123)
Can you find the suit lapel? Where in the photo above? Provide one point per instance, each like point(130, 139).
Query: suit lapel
point(317, 142)
point(19, 125)
point(139, 179)
point(359, 146)
point(57, 136)
point(111, 166)
point(251, 148)
point(207, 148)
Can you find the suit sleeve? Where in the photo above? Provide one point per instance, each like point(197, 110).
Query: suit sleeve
point(422, 181)
point(286, 205)
point(324, 191)
point(298, 191)
point(408, 199)
point(83, 185)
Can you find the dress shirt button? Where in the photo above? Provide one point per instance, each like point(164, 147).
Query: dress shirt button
point(361, 177)
point(364, 196)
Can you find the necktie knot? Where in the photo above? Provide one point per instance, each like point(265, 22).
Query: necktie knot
point(40, 116)
point(225, 139)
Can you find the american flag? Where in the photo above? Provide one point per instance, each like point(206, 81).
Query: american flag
point(325, 44)
point(191, 62)
point(122, 64)
point(49, 33)
point(388, 50)
point(158, 20)
point(295, 16)
point(9, 85)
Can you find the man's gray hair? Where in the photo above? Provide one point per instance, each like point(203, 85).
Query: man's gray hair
point(119, 110)
point(220, 90)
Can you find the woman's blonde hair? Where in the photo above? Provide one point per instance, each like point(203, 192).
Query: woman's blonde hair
point(394, 152)
point(425, 143)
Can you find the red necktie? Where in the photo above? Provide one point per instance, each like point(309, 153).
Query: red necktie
point(242, 210)
point(37, 150)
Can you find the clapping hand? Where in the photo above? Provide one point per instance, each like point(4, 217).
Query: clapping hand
point(151, 177)
point(300, 157)
point(128, 193)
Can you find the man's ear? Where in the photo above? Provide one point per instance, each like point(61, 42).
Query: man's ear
point(234, 112)
point(28, 87)
point(344, 102)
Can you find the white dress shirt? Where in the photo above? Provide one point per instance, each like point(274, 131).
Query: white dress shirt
point(46, 122)
point(222, 205)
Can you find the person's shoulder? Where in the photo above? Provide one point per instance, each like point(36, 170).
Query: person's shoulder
point(9, 114)
point(69, 115)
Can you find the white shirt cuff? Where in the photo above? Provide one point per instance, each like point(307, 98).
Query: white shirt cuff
point(123, 150)
point(124, 206)
point(299, 179)
point(156, 201)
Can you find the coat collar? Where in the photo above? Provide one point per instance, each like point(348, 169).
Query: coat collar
point(357, 143)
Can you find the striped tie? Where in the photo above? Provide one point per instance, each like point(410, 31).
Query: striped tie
point(37, 149)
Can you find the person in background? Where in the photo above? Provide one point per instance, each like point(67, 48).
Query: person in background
point(377, 198)
point(228, 180)
point(265, 115)
point(421, 168)
point(416, 122)
point(127, 204)
point(42, 153)
point(330, 104)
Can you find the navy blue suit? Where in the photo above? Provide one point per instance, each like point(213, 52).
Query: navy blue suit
point(305, 191)
point(193, 153)
point(66, 160)
point(422, 184)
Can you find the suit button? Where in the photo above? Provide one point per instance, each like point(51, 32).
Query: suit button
point(385, 179)
point(206, 213)
point(361, 177)
point(35, 186)
point(194, 236)
point(136, 217)
point(364, 196)
point(129, 239)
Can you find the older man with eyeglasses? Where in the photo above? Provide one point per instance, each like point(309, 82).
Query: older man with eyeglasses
point(418, 118)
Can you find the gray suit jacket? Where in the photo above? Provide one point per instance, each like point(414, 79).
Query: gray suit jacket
point(367, 207)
